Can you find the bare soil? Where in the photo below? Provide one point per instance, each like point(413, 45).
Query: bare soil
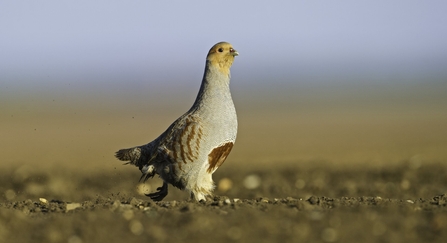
point(302, 202)
point(382, 179)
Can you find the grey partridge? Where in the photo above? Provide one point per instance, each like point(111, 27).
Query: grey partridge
point(197, 143)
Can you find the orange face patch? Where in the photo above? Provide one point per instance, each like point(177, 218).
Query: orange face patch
point(222, 55)
point(218, 156)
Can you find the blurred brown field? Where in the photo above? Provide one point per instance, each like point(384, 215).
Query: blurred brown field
point(348, 125)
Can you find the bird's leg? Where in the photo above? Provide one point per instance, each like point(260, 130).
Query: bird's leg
point(160, 193)
point(148, 172)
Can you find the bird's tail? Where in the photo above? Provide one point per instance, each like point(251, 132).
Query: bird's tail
point(131, 155)
point(141, 157)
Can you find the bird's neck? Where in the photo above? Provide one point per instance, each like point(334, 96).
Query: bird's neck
point(215, 86)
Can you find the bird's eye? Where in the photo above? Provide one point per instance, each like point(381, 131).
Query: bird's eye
point(220, 49)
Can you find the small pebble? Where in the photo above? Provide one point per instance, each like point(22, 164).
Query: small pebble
point(264, 200)
point(313, 200)
point(136, 227)
point(43, 200)
point(173, 203)
point(72, 206)
point(252, 181)
point(135, 202)
point(128, 214)
point(224, 185)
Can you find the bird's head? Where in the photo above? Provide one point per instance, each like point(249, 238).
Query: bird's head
point(221, 55)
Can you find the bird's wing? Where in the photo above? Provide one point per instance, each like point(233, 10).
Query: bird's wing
point(181, 141)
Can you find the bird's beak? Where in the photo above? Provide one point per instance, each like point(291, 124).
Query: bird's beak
point(233, 52)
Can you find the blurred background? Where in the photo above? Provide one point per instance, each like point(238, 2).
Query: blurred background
point(347, 82)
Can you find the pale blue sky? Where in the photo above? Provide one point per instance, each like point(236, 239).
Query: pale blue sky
point(47, 45)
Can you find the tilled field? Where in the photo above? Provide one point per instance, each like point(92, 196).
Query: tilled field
point(310, 202)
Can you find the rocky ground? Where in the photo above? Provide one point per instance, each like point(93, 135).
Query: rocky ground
point(309, 202)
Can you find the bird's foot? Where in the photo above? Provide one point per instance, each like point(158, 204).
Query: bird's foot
point(200, 197)
point(160, 193)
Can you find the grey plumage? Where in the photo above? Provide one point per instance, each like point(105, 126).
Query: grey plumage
point(197, 143)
